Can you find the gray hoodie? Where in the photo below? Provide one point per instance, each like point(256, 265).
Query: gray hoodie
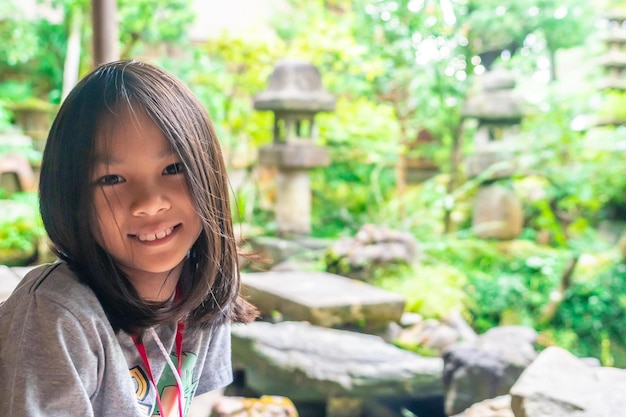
point(59, 356)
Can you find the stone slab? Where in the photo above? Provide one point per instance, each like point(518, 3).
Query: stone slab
point(294, 156)
point(323, 299)
point(310, 363)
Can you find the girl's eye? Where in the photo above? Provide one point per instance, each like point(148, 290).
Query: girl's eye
point(173, 169)
point(110, 180)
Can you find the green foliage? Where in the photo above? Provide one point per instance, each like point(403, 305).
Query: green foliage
point(20, 228)
point(593, 319)
point(417, 348)
point(34, 156)
point(613, 108)
point(430, 290)
point(507, 282)
point(33, 50)
point(423, 60)
point(359, 136)
point(324, 36)
point(150, 22)
point(19, 41)
point(225, 74)
point(5, 117)
point(578, 175)
point(563, 23)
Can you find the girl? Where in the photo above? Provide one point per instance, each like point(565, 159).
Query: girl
point(134, 318)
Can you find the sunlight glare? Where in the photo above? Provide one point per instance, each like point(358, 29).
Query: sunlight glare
point(415, 5)
point(560, 13)
point(451, 101)
point(479, 69)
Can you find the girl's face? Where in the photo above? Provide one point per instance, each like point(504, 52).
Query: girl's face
point(145, 218)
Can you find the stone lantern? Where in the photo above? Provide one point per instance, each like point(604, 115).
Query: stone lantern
point(613, 63)
point(498, 110)
point(614, 59)
point(295, 94)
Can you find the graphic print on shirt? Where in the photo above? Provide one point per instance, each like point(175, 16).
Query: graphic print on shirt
point(142, 389)
point(167, 387)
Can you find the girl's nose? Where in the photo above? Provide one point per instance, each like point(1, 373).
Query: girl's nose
point(148, 201)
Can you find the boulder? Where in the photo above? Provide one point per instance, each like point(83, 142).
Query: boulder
point(304, 362)
point(487, 367)
point(558, 384)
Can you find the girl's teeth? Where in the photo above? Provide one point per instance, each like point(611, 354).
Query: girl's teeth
point(152, 237)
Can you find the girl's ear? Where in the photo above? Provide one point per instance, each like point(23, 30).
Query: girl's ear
point(243, 311)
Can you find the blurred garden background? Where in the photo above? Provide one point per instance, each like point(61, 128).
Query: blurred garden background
point(411, 129)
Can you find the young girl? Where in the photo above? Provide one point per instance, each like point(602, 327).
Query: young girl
point(134, 319)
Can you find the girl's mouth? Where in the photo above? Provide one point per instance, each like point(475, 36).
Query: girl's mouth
point(151, 237)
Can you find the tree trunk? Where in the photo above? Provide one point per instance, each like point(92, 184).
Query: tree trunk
point(556, 297)
point(552, 56)
point(105, 31)
point(401, 169)
point(455, 161)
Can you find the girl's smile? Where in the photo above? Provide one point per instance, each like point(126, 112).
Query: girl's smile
point(145, 218)
point(157, 237)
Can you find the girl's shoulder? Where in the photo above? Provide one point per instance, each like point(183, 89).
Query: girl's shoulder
point(54, 278)
point(53, 283)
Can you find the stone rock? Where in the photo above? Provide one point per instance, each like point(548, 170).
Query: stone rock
point(409, 319)
point(430, 333)
point(498, 213)
point(497, 101)
point(17, 165)
point(372, 246)
point(310, 363)
point(494, 407)
point(294, 156)
point(455, 320)
point(322, 299)
point(487, 367)
point(265, 406)
point(296, 86)
point(438, 335)
point(558, 384)
point(269, 251)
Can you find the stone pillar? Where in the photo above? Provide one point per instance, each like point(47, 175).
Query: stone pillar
point(498, 213)
point(498, 111)
point(293, 190)
point(293, 201)
point(294, 94)
point(613, 61)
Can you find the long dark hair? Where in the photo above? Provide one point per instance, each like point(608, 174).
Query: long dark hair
point(210, 280)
